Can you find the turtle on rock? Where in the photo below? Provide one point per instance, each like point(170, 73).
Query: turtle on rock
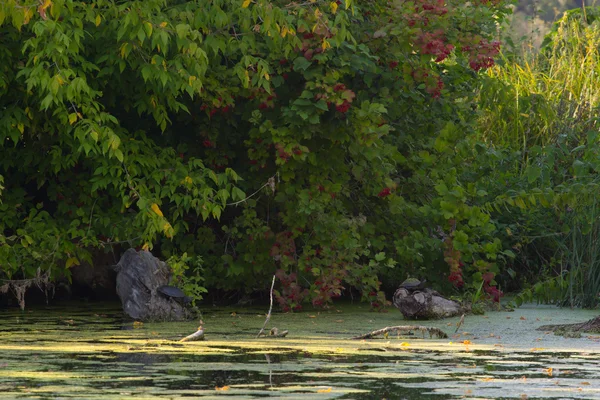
point(174, 293)
point(413, 284)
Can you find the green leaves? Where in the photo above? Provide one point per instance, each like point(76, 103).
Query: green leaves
point(301, 64)
point(533, 172)
point(337, 163)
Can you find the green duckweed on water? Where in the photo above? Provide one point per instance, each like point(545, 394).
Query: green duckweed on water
point(92, 351)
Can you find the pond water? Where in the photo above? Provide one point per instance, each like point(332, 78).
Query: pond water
point(79, 351)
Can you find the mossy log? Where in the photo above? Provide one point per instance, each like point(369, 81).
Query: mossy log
point(405, 328)
point(591, 326)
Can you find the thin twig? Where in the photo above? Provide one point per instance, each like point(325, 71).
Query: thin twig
point(459, 323)
point(130, 182)
point(129, 241)
point(91, 215)
point(65, 78)
point(270, 182)
point(262, 330)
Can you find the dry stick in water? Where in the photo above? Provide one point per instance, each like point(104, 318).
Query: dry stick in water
point(459, 323)
point(404, 328)
point(262, 330)
point(198, 335)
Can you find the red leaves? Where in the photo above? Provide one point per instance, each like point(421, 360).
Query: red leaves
point(339, 87)
point(481, 53)
point(384, 192)
point(488, 277)
point(452, 257)
point(456, 279)
point(487, 3)
point(281, 153)
point(435, 90)
point(494, 293)
point(291, 294)
point(435, 43)
point(433, 7)
point(344, 107)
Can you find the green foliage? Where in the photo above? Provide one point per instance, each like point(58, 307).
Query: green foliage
point(329, 140)
point(547, 291)
point(187, 274)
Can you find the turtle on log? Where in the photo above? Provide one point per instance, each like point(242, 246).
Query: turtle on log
point(413, 284)
point(416, 301)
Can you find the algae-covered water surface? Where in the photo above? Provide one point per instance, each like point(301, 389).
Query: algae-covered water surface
point(82, 352)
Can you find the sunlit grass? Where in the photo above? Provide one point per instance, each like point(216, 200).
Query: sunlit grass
point(533, 99)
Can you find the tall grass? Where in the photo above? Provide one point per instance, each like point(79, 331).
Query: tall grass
point(549, 102)
point(539, 97)
point(580, 250)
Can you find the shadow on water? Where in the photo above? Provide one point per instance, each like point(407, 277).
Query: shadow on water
point(75, 353)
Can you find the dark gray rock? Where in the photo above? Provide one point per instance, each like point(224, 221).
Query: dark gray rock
point(139, 275)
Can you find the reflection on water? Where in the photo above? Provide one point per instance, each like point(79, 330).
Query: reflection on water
point(74, 353)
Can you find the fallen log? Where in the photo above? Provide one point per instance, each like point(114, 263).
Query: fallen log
point(404, 328)
point(591, 326)
point(275, 333)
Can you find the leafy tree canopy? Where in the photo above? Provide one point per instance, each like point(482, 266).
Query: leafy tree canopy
point(325, 140)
